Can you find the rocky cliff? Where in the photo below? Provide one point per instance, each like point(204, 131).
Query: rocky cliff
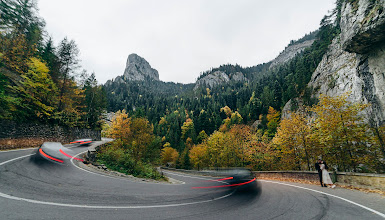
point(138, 69)
point(290, 52)
point(219, 78)
point(355, 61)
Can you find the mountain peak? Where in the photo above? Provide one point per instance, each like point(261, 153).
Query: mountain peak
point(138, 69)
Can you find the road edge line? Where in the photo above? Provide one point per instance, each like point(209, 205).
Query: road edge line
point(328, 194)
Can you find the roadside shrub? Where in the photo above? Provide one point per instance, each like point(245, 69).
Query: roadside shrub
point(120, 159)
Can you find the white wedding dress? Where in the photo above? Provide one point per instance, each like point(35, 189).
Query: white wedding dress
point(325, 175)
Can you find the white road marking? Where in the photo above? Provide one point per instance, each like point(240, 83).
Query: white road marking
point(5, 151)
point(194, 177)
point(2, 163)
point(346, 200)
point(101, 207)
point(110, 207)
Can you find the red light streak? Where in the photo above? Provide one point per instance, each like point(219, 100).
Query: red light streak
point(65, 154)
point(49, 157)
point(228, 178)
point(80, 142)
point(237, 184)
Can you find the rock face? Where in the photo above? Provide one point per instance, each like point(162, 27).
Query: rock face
point(362, 25)
point(355, 61)
point(238, 76)
point(219, 78)
point(138, 69)
point(290, 52)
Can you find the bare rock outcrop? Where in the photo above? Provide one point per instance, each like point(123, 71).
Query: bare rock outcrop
point(290, 52)
point(219, 78)
point(138, 69)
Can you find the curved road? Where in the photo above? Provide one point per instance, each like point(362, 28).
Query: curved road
point(39, 189)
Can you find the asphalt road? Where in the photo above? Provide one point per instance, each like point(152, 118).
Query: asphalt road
point(40, 189)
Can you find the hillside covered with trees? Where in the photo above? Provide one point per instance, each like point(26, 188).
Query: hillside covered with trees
point(39, 81)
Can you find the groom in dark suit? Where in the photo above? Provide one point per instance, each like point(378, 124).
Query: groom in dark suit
point(317, 166)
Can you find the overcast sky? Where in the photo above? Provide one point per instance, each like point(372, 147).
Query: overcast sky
point(179, 38)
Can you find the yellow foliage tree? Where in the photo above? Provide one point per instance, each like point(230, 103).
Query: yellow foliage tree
point(169, 155)
point(136, 134)
point(198, 156)
point(340, 131)
point(293, 138)
point(236, 118)
point(140, 137)
point(273, 116)
point(38, 91)
point(227, 111)
point(120, 126)
point(188, 130)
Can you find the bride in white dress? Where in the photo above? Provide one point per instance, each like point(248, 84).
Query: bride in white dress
point(326, 177)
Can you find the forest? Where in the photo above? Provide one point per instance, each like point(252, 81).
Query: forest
point(40, 81)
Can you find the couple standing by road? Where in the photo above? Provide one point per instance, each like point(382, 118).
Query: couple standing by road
point(323, 174)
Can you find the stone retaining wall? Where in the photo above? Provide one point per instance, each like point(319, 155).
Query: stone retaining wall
point(360, 180)
point(15, 135)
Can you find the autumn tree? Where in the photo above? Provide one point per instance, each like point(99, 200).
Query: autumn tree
point(215, 145)
point(227, 111)
point(236, 118)
point(293, 138)
point(140, 137)
point(273, 116)
point(202, 136)
point(188, 130)
point(341, 132)
point(169, 155)
point(120, 126)
point(37, 91)
point(23, 27)
point(37, 79)
point(198, 157)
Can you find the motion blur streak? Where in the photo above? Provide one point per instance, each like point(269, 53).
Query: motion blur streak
point(49, 157)
point(80, 142)
point(67, 155)
point(228, 178)
point(238, 184)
